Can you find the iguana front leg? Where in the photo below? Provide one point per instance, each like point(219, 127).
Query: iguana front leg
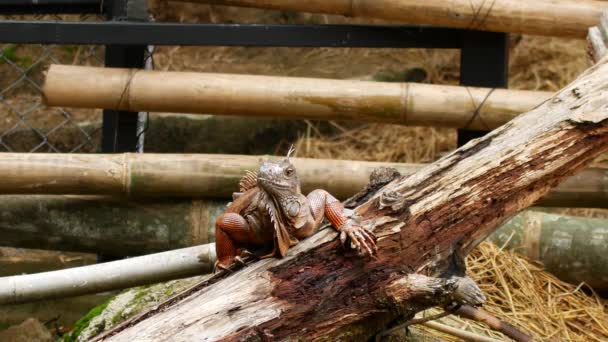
point(323, 204)
point(230, 229)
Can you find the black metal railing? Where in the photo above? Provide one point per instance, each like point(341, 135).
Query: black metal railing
point(126, 34)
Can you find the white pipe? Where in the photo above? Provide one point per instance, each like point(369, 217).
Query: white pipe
point(108, 276)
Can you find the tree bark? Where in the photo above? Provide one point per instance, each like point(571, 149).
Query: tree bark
point(426, 223)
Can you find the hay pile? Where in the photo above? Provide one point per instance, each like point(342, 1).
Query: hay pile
point(521, 293)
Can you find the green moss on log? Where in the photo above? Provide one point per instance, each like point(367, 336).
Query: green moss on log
point(84, 322)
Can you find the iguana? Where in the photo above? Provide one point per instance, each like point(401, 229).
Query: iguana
point(271, 211)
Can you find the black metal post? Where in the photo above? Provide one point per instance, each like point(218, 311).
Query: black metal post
point(119, 133)
point(484, 62)
point(50, 6)
point(119, 130)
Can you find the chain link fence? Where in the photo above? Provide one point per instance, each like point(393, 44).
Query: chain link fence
point(26, 123)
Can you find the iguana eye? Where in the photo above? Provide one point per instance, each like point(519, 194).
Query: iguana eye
point(289, 172)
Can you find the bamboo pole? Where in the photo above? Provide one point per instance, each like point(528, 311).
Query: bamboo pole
point(286, 97)
point(565, 18)
point(108, 276)
point(217, 176)
point(180, 175)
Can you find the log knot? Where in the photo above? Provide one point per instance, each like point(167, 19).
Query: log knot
point(405, 294)
point(379, 177)
point(393, 200)
point(467, 292)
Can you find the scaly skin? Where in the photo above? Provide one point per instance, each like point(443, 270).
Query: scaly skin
point(271, 211)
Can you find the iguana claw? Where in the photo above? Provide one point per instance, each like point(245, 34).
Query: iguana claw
point(361, 238)
point(218, 267)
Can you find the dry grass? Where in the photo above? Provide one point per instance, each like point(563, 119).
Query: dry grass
point(521, 293)
point(378, 142)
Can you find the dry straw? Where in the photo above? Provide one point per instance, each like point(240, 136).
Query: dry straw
point(521, 293)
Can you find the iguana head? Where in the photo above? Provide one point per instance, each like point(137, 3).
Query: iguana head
point(279, 177)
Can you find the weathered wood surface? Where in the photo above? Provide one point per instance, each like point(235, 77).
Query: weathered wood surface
point(217, 176)
point(426, 223)
point(566, 18)
point(412, 104)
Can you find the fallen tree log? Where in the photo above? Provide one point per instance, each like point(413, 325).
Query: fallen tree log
point(426, 223)
point(107, 225)
point(575, 249)
point(217, 176)
point(412, 104)
point(115, 275)
point(565, 18)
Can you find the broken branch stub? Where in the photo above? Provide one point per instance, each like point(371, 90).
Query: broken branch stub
point(426, 223)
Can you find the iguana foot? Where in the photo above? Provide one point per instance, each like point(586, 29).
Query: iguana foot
point(249, 255)
point(361, 239)
point(219, 267)
point(240, 261)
